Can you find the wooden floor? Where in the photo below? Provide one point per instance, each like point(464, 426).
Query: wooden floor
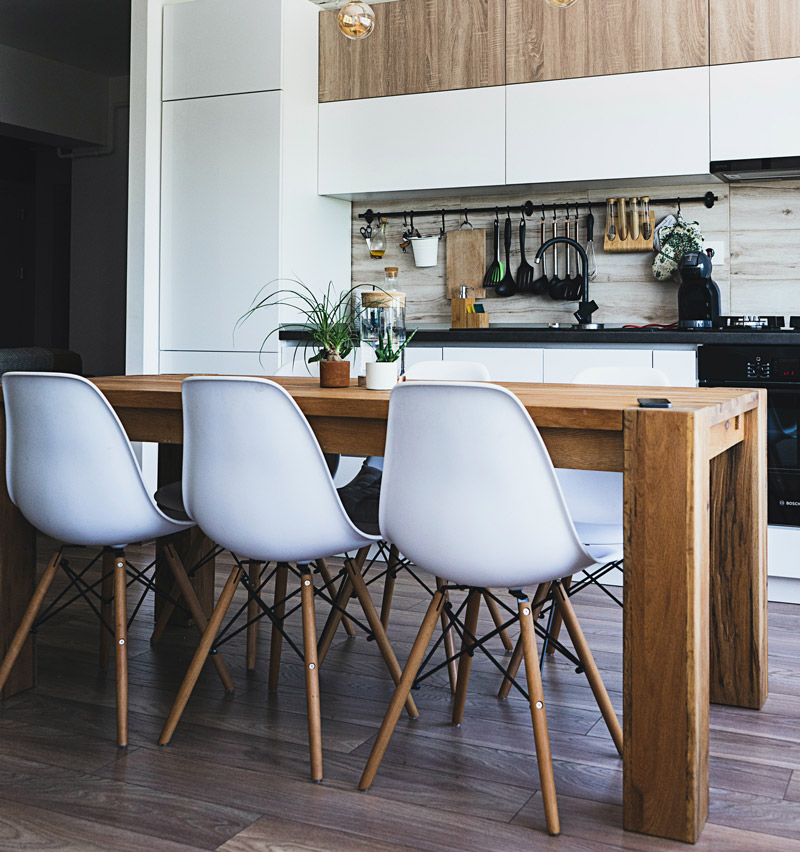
point(235, 777)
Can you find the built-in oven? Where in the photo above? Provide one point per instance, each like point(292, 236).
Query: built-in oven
point(776, 368)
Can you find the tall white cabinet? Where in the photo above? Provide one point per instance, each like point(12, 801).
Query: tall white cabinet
point(239, 209)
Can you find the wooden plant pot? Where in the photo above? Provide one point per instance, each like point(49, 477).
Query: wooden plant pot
point(334, 374)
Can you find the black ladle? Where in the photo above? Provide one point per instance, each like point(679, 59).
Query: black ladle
point(557, 286)
point(507, 287)
point(575, 284)
point(540, 285)
point(525, 272)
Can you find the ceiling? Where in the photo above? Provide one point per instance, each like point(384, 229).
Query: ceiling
point(89, 34)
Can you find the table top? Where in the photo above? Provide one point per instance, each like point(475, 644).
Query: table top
point(565, 406)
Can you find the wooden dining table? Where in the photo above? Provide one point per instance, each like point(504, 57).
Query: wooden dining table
point(695, 602)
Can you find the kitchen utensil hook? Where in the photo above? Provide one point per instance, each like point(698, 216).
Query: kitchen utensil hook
point(497, 215)
point(577, 210)
point(441, 230)
point(466, 219)
point(555, 213)
point(543, 216)
point(679, 206)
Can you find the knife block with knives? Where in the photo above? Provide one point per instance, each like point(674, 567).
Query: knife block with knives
point(466, 266)
point(632, 229)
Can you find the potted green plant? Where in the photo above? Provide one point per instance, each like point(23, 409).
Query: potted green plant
point(328, 320)
point(382, 372)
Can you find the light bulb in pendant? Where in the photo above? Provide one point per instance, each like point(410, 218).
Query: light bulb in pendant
point(561, 4)
point(356, 20)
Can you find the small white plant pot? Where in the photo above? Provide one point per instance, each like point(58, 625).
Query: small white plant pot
point(426, 250)
point(382, 375)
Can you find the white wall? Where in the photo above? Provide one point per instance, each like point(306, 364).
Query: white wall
point(49, 97)
point(98, 264)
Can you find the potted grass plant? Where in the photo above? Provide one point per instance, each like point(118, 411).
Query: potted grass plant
point(382, 373)
point(327, 320)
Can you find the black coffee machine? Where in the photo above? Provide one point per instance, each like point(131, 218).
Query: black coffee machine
point(698, 296)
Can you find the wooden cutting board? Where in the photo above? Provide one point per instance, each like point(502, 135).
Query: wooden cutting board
point(466, 262)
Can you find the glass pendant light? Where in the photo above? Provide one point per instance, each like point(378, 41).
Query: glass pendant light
point(561, 4)
point(356, 20)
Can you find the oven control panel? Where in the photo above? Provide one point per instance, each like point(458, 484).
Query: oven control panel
point(727, 365)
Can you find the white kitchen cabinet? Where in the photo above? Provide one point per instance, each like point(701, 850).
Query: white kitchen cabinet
point(562, 365)
point(617, 126)
point(416, 354)
point(680, 366)
point(221, 363)
point(221, 47)
point(426, 141)
point(754, 110)
point(220, 207)
point(506, 364)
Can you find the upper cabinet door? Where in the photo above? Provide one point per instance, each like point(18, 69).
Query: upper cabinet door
point(439, 140)
point(417, 46)
point(221, 47)
point(750, 30)
point(597, 37)
point(620, 126)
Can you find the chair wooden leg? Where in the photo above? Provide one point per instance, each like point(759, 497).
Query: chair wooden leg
point(516, 657)
point(589, 666)
point(334, 618)
point(253, 609)
point(449, 641)
point(555, 628)
point(403, 690)
point(325, 572)
point(276, 639)
point(497, 618)
point(106, 606)
point(167, 608)
point(200, 656)
point(388, 585)
point(312, 672)
point(195, 608)
point(374, 621)
point(336, 614)
point(121, 646)
point(465, 660)
point(538, 716)
point(28, 618)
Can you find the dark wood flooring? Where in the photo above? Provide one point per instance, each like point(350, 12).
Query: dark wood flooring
point(235, 777)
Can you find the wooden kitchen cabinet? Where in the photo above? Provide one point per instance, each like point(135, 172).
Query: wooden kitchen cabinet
point(753, 30)
point(417, 46)
point(599, 37)
point(602, 128)
point(752, 110)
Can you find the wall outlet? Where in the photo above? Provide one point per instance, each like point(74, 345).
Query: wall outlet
point(719, 258)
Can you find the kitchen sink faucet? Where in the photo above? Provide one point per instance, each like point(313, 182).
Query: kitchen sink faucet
point(585, 307)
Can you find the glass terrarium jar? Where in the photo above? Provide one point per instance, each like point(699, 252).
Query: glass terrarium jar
point(383, 318)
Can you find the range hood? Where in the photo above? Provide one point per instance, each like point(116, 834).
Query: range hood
point(763, 168)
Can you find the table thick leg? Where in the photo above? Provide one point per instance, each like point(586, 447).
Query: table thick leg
point(738, 567)
point(666, 633)
point(17, 579)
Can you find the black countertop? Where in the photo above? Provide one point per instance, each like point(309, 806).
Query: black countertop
point(442, 334)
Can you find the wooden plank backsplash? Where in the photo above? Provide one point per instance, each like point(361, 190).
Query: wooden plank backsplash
point(758, 222)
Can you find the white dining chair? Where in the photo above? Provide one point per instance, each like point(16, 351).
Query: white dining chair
point(595, 501)
point(256, 482)
point(71, 471)
point(525, 539)
point(437, 370)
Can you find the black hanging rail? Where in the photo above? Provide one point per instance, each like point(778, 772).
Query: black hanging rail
point(528, 208)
